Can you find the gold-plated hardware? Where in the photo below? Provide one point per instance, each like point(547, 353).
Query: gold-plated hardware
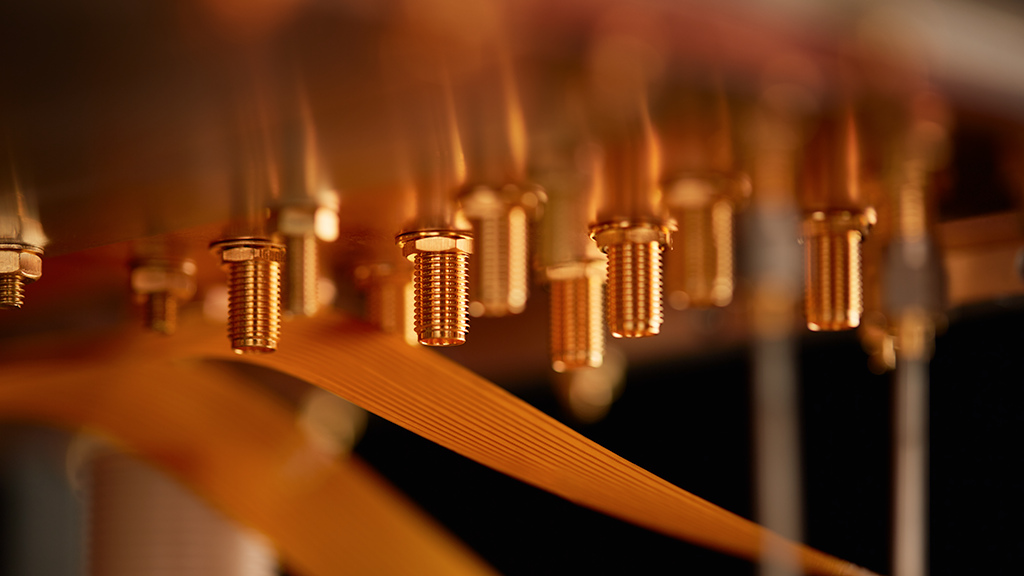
point(161, 285)
point(441, 283)
point(634, 276)
point(20, 264)
point(577, 315)
point(253, 266)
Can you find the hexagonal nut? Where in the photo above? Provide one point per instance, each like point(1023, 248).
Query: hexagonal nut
point(25, 264)
point(247, 253)
point(295, 220)
point(645, 234)
point(153, 279)
point(482, 202)
point(452, 244)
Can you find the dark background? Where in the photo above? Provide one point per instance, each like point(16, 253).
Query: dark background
point(689, 422)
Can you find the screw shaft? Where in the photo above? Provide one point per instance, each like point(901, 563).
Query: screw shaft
point(12, 291)
point(301, 275)
point(440, 281)
point(160, 313)
point(254, 305)
point(700, 269)
point(634, 289)
point(577, 323)
point(834, 299)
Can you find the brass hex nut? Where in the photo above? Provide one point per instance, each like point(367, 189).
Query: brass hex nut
point(177, 279)
point(245, 253)
point(609, 235)
point(28, 265)
point(421, 242)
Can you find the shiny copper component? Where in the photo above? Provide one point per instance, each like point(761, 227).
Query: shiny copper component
point(700, 269)
point(441, 283)
point(634, 277)
point(577, 315)
point(253, 266)
point(832, 247)
point(390, 298)
point(501, 230)
point(835, 223)
point(20, 264)
point(160, 285)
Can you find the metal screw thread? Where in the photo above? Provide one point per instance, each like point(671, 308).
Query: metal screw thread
point(440, 281)
point(254, 305)
point(634, 289)
point(12, 291)
point(301, 275)
point(160, 312)
point(834, 291)
point(501, 274)
point(577, 323)
point(700, 269)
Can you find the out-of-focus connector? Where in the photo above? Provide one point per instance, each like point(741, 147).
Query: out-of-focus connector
point(253, 266)
point(501, 222)
point(160, 285)
point(577, 314)
point(634, 250)
point(835, 223)
point(20, 264)
point(301, 225)
point(390, 298)
point(703, 188)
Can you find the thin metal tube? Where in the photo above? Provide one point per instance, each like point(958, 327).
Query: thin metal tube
point(777, 449)
point(910, 489)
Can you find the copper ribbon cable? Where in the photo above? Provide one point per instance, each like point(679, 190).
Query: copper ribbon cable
point(445, 403)
point(242, 451)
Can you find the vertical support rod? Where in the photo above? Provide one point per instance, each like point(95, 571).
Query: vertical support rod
point(910, 490)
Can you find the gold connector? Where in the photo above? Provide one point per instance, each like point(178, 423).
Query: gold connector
point(634, 276)
point(441, 283)
point(390, 298)
point(834, 298)
point(577, 310)
point(700, 269)
point(20, 264)
point(160, 284)
point(253, 266)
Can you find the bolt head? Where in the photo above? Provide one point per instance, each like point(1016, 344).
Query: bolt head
point(25, 264)
point(439, 243)
point(644, 234)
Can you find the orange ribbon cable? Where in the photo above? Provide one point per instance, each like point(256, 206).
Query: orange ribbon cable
point(447, 404)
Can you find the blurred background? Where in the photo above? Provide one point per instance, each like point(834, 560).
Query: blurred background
point(771, 251)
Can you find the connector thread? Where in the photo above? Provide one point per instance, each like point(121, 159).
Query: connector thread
point(441, 286)
point(301, 275)
point(12, 291)
point(160, 313)
point(253, 268)
point(577, 323)
point(834, 292)
point(635, 289)
point(700, 269)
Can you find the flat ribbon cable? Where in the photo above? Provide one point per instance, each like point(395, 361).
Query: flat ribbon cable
point(447, 404)
point(243, 452)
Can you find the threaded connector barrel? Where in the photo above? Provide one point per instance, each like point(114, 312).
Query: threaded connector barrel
point(20, 264)
point(12, 291)
point(577, 315)
point(302, 275)
point(834, 295)
point(390, 298)
point(441, 284)
point(699, 272)
point(254, 293)
point(635, 308)
point(160, 313)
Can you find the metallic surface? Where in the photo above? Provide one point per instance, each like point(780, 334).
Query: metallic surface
point(834, 293)
point(635, 307)
point(161, 285)
point(20, 264)
point(441, 284)
point(253, 267)
point(700, 269)
point(577, 315)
